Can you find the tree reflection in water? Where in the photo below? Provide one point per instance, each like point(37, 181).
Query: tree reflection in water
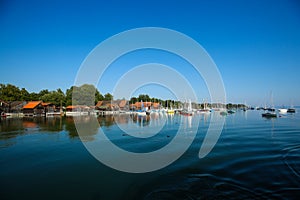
point(13, 127)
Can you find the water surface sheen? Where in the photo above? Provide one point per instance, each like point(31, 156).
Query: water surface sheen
point(255, 158)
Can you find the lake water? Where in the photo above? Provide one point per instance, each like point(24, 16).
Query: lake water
point(254, 158)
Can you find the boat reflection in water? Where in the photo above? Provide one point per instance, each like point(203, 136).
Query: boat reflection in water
point(136, 125)
point(141, 120)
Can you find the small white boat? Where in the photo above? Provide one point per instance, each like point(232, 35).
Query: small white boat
point(223, 112)
point(141, 113)
point(205, 108)
point(187, 111)
point(231, 111)
point(76, 113)
point(282, 110)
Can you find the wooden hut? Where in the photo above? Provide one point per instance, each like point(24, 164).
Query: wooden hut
point(34, 108)
point(111, 105)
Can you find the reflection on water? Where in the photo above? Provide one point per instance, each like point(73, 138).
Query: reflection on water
point(141, 120)
point(255, 158)
point(12, 127)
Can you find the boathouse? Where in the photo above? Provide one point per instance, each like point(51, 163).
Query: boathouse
point(140, 105)
point(49, 107)
point(111, 105)
point(34, 108)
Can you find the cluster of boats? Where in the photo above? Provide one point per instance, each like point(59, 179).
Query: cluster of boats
point(271, 112)
point(187, 110)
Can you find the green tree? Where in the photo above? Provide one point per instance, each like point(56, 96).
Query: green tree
point(143, 97)
point(133, 100)
point(108, 97)
point(98, 96)
point(43, 92)
point(60, 91)
point(33, 96)
point(54, 97)
point(9, 92)
point(24, 95)
point(83, 95)
point(68, 100)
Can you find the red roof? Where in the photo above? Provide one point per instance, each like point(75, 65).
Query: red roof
point(45, 104)
point(32, 104)
point(122, 103)
point(76, 106)
point(71, 107)
point(155, 105)
point(139, 104)
point(99, 103)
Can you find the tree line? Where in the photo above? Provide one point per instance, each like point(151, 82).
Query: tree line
point(83, 95)
point(165, 103)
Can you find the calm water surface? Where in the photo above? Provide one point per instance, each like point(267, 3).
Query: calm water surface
point(255, 158)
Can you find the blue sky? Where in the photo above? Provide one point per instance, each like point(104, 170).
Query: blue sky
point(255, 44)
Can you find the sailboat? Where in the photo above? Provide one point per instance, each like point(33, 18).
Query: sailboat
point(271, 111)
point(171, 110)
point(291, 109)
point(269, 115)
point(187, 111)
point(231, 110)
point(205, 108)
point(142, 112)
point(245, 107)
point(282, 110)
point(223, 112)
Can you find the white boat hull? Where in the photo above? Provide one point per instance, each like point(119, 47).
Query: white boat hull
point(76, 113)
point(141, 113)
point(283, 110)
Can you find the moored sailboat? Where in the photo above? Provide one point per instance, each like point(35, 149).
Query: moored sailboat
point(188, 111)
point(169, 110)
point(271, 111)
point(141, 112)
point(282, 110)
point(291, 109)
point(269, 115)
point(205, 108)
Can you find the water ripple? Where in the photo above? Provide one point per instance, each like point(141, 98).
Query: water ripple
point(206, 186)
point(292, 159)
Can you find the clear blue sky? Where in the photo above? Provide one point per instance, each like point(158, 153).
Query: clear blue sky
point(255, 44)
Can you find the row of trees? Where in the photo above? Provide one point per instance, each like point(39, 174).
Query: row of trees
point(83, 95)
point(165, 103)
point(177, 104)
